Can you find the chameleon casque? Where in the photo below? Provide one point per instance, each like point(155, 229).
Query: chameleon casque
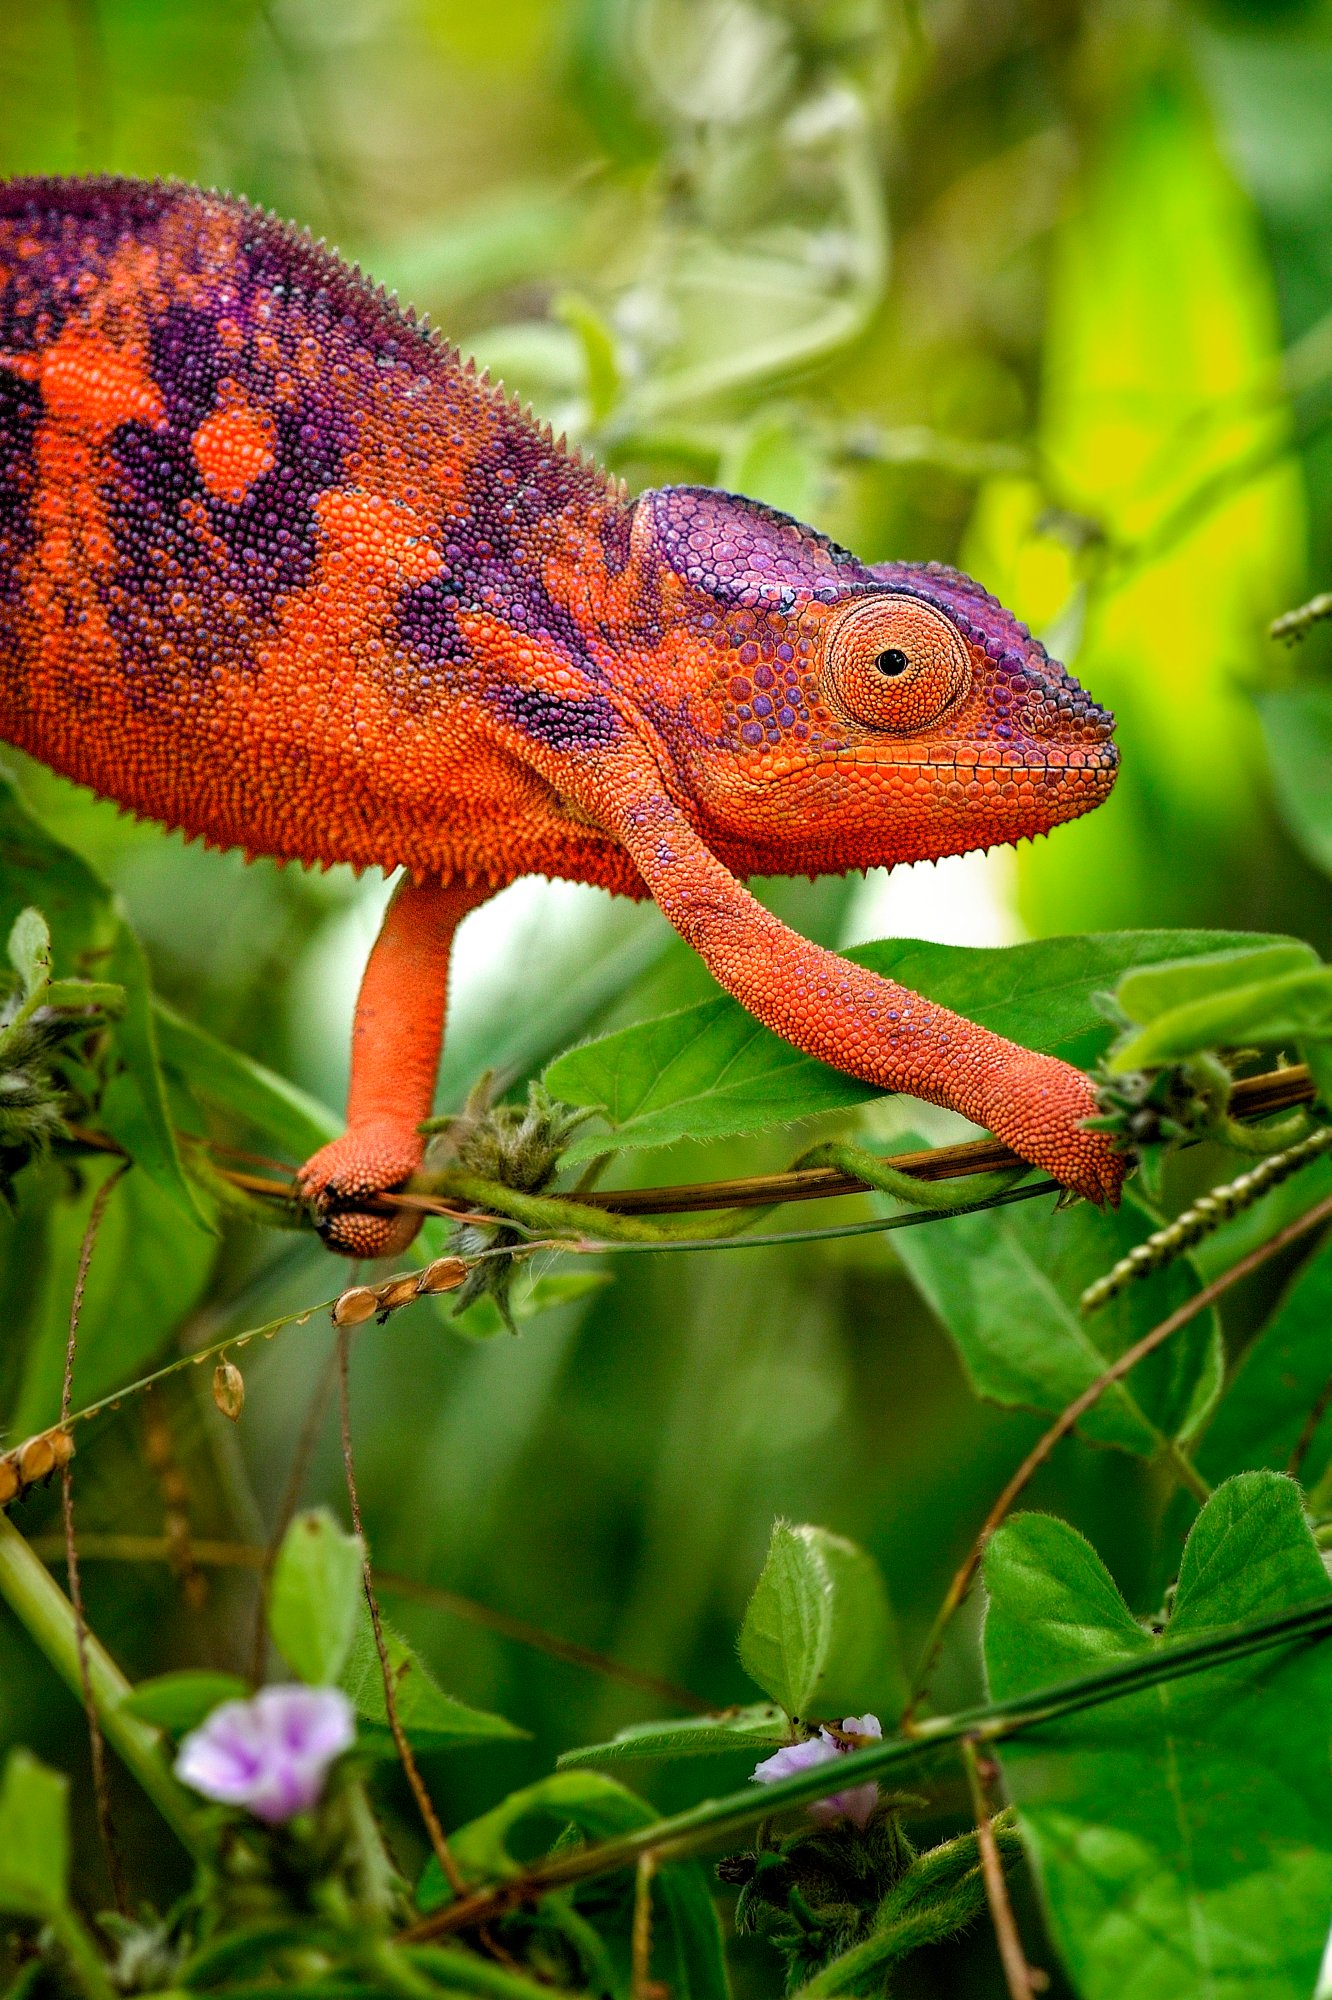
point(279, 568)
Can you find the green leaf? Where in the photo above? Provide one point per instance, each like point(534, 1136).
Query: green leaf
point(761, 1725)
point(134, 1104)
point(711, 1071)
point(285, 1117)
point(1006, 1282)
point(1280, 1377)
point(1182, 1837)
point(1268, 1013)
point(431, 1719)
point(181, 1701)
point(34, 1838)
point(818, 1633)
point(1151, 990)
point(318, 1581)
point(1298, 725)
point(30, 950)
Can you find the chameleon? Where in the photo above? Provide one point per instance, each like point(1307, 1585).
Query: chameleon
point(281, 569)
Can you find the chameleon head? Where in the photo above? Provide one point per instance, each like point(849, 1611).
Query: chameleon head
point(827, 715)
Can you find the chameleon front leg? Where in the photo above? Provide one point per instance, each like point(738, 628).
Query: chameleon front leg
point(849, 1017)
point(396, 1040)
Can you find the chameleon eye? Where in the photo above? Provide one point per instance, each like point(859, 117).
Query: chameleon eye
point(895, 663)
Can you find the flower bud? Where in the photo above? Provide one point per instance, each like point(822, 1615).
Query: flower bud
point(444, 1275)
point(36, 1459)
point(229, 1389)
point(355, 1306)
point(397, 1292)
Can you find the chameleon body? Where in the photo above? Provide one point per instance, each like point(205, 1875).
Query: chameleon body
point(279, 568)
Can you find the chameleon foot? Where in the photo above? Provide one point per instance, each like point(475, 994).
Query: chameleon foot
point(1040, 1115)
point(368, 1159)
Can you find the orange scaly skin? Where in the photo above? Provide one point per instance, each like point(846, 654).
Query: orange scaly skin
point(278, 568)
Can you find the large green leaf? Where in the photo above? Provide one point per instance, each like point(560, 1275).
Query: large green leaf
point(1182, 1836)
point(1281, 1377)
point(430, 1719)
point(318, 1582)
point(687, 1942)
point(818, 1631)
point(1006, 1283)
point(287, 1118)
point(712, 1071)
point(1298, 724)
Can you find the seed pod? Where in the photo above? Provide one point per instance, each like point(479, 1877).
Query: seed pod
point(36, 1458)
point(229, 1389)
point(355, 1306)
point(9, 1479)
point(62, 1444)
point(397, 1292)
point(444, 1275)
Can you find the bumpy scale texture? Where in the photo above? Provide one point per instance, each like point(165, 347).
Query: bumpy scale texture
point(279, 568)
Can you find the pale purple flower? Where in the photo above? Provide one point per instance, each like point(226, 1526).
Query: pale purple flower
point(270, 1754)
point(856, 1803)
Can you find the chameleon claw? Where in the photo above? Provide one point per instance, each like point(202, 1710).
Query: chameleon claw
point(369, 1159)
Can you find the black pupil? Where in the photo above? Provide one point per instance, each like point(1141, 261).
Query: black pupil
point(894, 661)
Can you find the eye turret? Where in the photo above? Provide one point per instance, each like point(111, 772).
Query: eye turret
point(895, 664)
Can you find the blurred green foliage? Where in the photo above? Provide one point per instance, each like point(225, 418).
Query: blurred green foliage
point(1043, 287)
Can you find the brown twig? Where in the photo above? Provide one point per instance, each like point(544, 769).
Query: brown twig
point(1252, 1097)
point(640, 1984)
point(1022, 1985)
point(425, 1804)
point(96, 1745)
point(291, 1493)
point(1068, 1418)
point(240, 1555)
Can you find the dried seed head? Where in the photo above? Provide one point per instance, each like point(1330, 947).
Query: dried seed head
point(229, 1389)
point(444, 1275)
point(36, 1459)
point(62, 1444)
point(9, 1479)
point(397, 1292)
point(355, 1306)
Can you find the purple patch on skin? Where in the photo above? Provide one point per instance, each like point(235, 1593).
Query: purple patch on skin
point(20, 411)
point(557, 722)
point(747, 554)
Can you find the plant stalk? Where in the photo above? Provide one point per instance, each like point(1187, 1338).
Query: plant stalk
point(47, 1615)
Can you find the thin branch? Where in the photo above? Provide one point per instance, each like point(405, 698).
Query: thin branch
point(1078, 1408)
point(640, 1985)
point(425, 1804)
point(1017, 1973)
point(1251, 1097)
point(716, 1820)
point(96, 1745)
point(240, 1555)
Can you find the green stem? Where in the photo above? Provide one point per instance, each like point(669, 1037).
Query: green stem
point(79, 1949)
point(47, 1615)
point(551, 1213)
point(885, 1178)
